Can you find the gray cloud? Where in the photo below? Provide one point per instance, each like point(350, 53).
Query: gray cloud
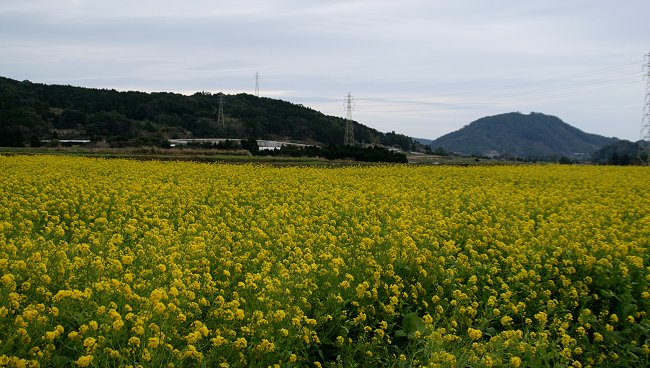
point(423, 68)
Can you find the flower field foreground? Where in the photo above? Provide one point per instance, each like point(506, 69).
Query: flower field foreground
point(117, 263)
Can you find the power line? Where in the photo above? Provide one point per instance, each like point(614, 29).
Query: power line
point(589, 82)
point(553, 86)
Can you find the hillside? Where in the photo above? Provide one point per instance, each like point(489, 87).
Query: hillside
point(30, 112)
point(521, 135)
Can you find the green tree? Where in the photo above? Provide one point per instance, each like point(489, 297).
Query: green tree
point(70, 119)
point(11, 137)
point(105, 124)
point(34, 141)
point(250, 145)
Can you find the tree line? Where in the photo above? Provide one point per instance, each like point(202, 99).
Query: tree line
point(333, 152)
point(330, 152)
point(31, 112)
point(622, 153)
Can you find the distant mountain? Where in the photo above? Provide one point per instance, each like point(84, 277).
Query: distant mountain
point(423, 141)
point(521, 135)
point(30, 112)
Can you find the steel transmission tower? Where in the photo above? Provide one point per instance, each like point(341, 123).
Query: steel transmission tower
point(348, 139)
point(257, 84)
point(221, 123)
point(645, 123)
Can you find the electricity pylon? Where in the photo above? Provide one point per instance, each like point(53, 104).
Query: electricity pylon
point(221, 122)
point(644, 144)
point(348, 139)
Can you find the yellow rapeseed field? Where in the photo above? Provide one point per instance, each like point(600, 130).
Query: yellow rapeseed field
point(123, 263)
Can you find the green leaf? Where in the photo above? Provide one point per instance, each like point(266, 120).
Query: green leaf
point(61, 361)
point(412, 323)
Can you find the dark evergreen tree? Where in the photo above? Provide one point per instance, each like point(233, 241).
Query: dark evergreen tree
point(34, 141)
point(11, 137)
point(250, 145)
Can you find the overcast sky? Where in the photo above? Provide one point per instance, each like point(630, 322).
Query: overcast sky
point(419, 67)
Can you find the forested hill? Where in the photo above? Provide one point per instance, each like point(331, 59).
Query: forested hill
point(521, 135)
point(32, 111)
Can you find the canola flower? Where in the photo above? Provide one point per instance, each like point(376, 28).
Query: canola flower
point(123, 263)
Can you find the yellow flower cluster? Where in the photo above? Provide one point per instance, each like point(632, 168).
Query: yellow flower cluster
point(124, 263)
